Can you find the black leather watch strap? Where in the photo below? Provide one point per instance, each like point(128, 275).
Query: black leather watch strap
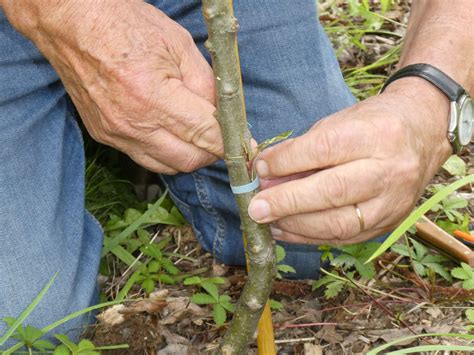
point(435, 76)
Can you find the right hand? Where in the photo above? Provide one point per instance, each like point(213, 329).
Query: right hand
point(136, 77)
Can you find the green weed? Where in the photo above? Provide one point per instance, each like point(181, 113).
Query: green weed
point(465, 273)
point(422, 259)
point(221, 304)
point(282, 268)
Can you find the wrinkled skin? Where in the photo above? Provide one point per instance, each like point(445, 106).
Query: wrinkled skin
point(374, 154)
point(139, 83)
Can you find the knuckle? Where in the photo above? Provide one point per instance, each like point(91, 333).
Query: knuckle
point(113, 126)
point(338, 227)
point(289, 224)
point(190, 163)
point(335, 189)
point(199, 132)
point(290, 201)
point(281, 158)
point(381, 177)
point(321, 148)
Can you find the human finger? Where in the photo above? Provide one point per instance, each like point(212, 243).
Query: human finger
point(151, 164)
point(330, 142)
point(340, 223)
point(294, 238)
point(335, 227)
point(190, 117)
point(342, 185)
point(166, 148)
point(267, 183)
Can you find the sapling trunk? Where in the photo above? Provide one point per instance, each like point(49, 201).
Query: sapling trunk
point(222, 44)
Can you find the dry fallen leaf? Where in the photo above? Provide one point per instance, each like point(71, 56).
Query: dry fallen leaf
point(112, 316)
point(312, 349)
point(435, 312)
point(179, 308)
point(151, 306)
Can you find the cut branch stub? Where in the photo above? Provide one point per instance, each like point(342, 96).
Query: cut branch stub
point(222, 44)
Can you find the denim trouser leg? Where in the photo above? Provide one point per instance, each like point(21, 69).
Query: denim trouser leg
point(291, 79)
point(44, 227)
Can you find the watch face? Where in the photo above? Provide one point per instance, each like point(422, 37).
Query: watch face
point(466, 119)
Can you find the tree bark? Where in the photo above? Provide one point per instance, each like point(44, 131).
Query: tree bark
point(222, 44)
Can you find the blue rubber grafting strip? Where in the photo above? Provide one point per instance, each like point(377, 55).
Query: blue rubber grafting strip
point(243, 189)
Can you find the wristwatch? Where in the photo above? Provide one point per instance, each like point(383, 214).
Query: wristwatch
point(461, 115)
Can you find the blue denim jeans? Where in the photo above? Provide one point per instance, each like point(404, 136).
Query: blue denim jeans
point(291, 79)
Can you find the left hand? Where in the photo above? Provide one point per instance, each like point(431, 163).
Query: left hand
point(379, 154)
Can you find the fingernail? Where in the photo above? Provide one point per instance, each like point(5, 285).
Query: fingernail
point(259, 209)
point(276, 232)
point(262, 168)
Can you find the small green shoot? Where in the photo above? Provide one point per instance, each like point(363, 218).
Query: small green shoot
point(275, 305)
point(270, 141)
point(465, 273)
point(282, 268)
point(326, 253)
point(422, 259)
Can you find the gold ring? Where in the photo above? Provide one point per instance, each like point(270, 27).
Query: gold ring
point(361, 218)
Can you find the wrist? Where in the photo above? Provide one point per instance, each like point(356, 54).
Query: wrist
point(423, 96)
point(424, 110)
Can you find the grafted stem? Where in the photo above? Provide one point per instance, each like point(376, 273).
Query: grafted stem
point(222, 44)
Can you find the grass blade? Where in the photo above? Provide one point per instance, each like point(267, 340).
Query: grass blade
point(50, 327)
point(420, 211)
point(130, 282)
point(112, 347)
point(381, 348)
point(420, 349)
point(27, 311)
point(112, 243)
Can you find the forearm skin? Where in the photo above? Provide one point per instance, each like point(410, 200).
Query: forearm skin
point(441, 33)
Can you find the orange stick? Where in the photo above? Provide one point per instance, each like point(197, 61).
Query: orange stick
point(464, 235)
